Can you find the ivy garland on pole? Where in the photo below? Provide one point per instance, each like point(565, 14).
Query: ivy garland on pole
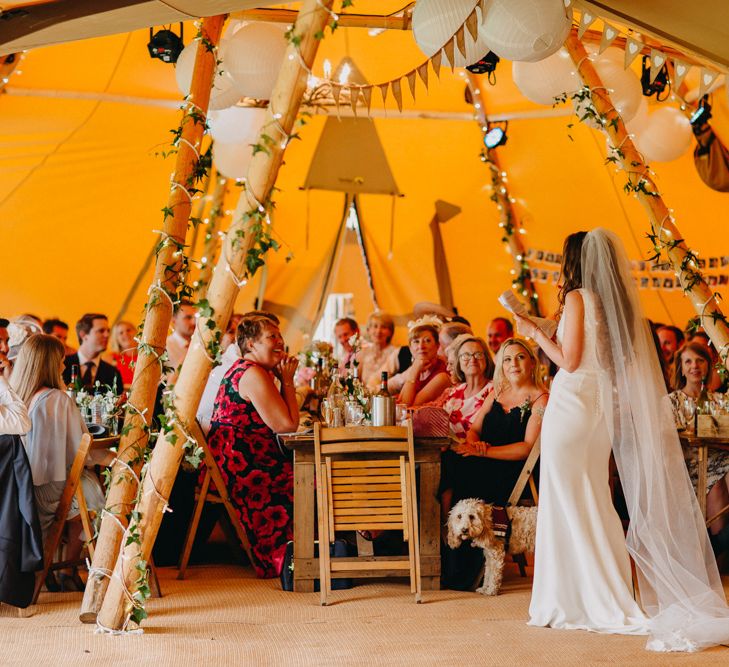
point(252, 235)
point(594, 103)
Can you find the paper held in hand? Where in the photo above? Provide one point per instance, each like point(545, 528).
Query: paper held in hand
point(509, 301)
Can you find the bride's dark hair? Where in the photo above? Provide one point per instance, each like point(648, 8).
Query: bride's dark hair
point(571, 265)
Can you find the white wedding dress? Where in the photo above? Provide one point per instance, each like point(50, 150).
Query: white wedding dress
point(582, 577)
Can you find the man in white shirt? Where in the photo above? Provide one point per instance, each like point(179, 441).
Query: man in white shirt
point(178, 342)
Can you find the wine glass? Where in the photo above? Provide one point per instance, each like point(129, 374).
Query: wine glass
point(688, 410)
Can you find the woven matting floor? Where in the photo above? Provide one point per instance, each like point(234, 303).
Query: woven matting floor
point(223, 615)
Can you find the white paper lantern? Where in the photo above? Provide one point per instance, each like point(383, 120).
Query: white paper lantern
point(528, 30)
point(232, 160)
point(237, 124)
point(435, 22)
point(224, 92)
point(542, 81)
point(666, 136)
point(253, 56)
point(623, 87)
point(638, 122)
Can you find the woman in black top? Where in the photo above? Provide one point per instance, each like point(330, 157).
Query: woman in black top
point(502, 434)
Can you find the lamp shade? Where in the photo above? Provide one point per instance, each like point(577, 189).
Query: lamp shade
point(544, 80)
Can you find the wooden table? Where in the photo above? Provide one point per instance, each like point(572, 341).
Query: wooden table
point(702, 445)
point(306, 567)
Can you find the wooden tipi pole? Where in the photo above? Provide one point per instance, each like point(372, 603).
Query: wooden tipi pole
point(241, 249)
point(211, 242)
point(163, 291)
point(508, 217)
point(664, 233)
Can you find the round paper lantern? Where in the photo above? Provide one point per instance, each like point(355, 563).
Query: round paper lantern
point(623, 87)
point(237, 124)
point(436, 21)
point(666, 136)
point(232, 160)
point(528, 30)
point(253, 56)
point(223, 93)
point(542, 81)
point(638, 122)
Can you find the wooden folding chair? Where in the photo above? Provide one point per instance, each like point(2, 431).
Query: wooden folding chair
point(526, 475)
point(53, 538)
point(365, 480)
point(205, 495)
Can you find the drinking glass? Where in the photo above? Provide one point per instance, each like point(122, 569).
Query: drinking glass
point(353, 414)
point(401, 414)
point(327, 411)
point(688, 409)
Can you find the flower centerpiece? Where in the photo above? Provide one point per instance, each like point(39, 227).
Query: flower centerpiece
point(309, 360)
point(100, 407)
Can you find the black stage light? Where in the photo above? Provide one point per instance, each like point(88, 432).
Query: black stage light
point(660, 83)
point(486, 65)
point(495, 135)
point(165, 45)
point(701, 116)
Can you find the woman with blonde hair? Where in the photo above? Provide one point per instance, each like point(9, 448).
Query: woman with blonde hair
point(124, 350)
point(54, 436)
point(379, 355)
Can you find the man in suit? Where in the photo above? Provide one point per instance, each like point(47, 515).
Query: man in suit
point(93, 335)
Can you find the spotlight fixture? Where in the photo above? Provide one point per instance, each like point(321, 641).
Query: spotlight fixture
point(165, 45)
point(486, 65)
point(495, 135)
point(701, 116)
point(660, 83)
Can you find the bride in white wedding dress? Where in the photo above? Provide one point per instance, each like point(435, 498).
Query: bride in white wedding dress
point(607, 395)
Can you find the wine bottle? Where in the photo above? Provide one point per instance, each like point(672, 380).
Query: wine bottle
point(702, 404)
point(72, 387)
point(383, 405)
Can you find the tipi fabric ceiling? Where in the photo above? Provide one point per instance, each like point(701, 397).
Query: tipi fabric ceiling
point(82, 184)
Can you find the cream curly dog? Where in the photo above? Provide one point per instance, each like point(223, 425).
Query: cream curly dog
point(471, 519)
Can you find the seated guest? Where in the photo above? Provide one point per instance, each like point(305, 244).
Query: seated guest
point(14, 419)
point(230, 356)
point(183, 326)
point(59, 329)
point(691, 368)
point(5, 364)
point(498, 331)
point(471, 372)
point(92, 331)
point(344, 329)
point(427, 377)
point(670, 338)
point(231, 331)
point(448, 333)
point(501, 436)
point(124, 350)
point(54, 435)
point(378, 355)
point(715, 383)
point(248, 413)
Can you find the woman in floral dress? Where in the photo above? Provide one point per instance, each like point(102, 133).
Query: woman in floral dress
point(249, 411)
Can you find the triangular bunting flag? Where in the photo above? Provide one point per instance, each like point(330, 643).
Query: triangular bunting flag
point(586, 20)
point(680, 70)
point(423, 74)
point(632, 48)
point(705, 80)
point(336, 92)
point(449, 51)
point(383, 89)
point(410, 76)
point(367, 95)
point(435, 62)
point(472, 24)
point(658, 60)
point(461, 40)
point(608, 37)
point(353, 97)
point(397, 93)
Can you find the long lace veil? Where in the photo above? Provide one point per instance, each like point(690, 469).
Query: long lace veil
point(680, 587)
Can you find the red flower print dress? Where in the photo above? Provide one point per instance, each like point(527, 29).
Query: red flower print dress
point(259, 478)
